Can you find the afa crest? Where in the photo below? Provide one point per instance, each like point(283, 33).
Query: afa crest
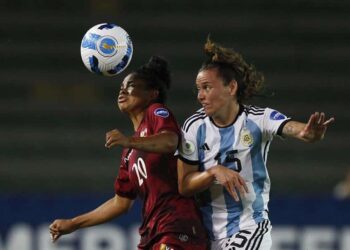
point(247, 138)
point(165, 247)
point(143, 133)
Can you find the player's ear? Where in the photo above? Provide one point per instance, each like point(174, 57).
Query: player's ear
point(233, 87)
point(154, 94)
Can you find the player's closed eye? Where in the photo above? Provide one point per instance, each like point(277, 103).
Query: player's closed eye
point(128, 88)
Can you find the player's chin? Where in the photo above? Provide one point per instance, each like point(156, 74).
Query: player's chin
point(208, 111)
point(122, 107)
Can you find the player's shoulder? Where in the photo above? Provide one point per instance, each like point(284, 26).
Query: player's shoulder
point(158, 110)
point(252, 110)
point(194, 120)
point(257, 113)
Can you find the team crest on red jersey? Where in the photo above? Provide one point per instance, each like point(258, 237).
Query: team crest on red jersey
point(165, 247)
point(143, 133)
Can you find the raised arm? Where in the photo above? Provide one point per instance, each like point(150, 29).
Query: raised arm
point(106, 212)
point(163, 142)
point(312, 131)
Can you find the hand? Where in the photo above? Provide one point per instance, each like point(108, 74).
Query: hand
point(316, 127)
point(61, 227)
point(115, 137)
point(231, 180)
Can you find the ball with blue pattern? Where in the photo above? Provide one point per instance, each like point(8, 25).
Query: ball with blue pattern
point(106, 49)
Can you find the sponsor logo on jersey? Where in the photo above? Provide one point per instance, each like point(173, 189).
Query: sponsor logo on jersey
point(183, 237)
point(188, 147)
point(162, 112)
point(247, 138)
point(204, 147)
point(275, 115)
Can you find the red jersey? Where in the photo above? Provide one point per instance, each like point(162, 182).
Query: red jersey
point(153, 177)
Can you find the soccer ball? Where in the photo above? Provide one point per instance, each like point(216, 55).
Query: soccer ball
point(106, 49)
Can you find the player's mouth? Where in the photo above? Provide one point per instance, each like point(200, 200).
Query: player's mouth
point(205, 105)
point(122, 99)
point(207, 108)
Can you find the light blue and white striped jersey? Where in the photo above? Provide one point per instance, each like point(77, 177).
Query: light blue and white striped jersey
point(242, 146)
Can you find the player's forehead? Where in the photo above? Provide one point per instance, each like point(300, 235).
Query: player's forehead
point(207, 76)
point(131, 79)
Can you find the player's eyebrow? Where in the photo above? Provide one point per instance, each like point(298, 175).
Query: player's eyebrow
point(203, 83)
point(128, 83)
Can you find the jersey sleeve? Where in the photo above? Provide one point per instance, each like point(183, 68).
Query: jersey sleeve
point(273, 122)
point(122, 185)
point(161, 119)
point(188, 150)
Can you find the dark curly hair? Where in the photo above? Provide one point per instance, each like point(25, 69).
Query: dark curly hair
point(156, 75)
point(231, 66)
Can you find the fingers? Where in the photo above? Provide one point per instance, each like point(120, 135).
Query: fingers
point(310, 124)
point(230, 187)
point(312, 121)
point(111, 132)
point(315, 119)
point(55, 236)
point(243, 185)
point(233, 182)
point(112, 138)
point(54, 231)
point(328, 121)
point(320, 119)
point(316, 127)
point(53, 227)
point(109, 143)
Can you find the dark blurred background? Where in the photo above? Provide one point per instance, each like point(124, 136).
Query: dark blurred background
point(54, 113)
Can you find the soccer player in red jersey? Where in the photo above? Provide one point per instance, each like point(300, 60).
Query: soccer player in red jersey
point(148, 169)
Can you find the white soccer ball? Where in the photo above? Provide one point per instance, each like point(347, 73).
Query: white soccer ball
point(106, 49)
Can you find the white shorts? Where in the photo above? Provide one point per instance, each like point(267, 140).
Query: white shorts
point(258, 238)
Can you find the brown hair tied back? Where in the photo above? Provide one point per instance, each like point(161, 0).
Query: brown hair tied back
point(232, 66)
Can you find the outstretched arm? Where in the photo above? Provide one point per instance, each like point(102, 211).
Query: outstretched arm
point(313, 130)
point(163, 142)
point(106, 212)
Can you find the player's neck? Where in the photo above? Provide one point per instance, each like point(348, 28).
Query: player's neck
point(227, 115)
point(136, 118)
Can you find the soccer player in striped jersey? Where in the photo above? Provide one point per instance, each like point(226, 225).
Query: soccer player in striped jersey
point(223, 154)
point(148, 169)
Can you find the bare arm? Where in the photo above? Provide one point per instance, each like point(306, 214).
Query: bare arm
point(106, 212)
point(313, 130)
point(191, 181)
point(163, 142)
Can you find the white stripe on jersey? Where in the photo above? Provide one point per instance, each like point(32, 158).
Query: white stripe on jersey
point(252, 239)
point(242, 146)
point(198, 115)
